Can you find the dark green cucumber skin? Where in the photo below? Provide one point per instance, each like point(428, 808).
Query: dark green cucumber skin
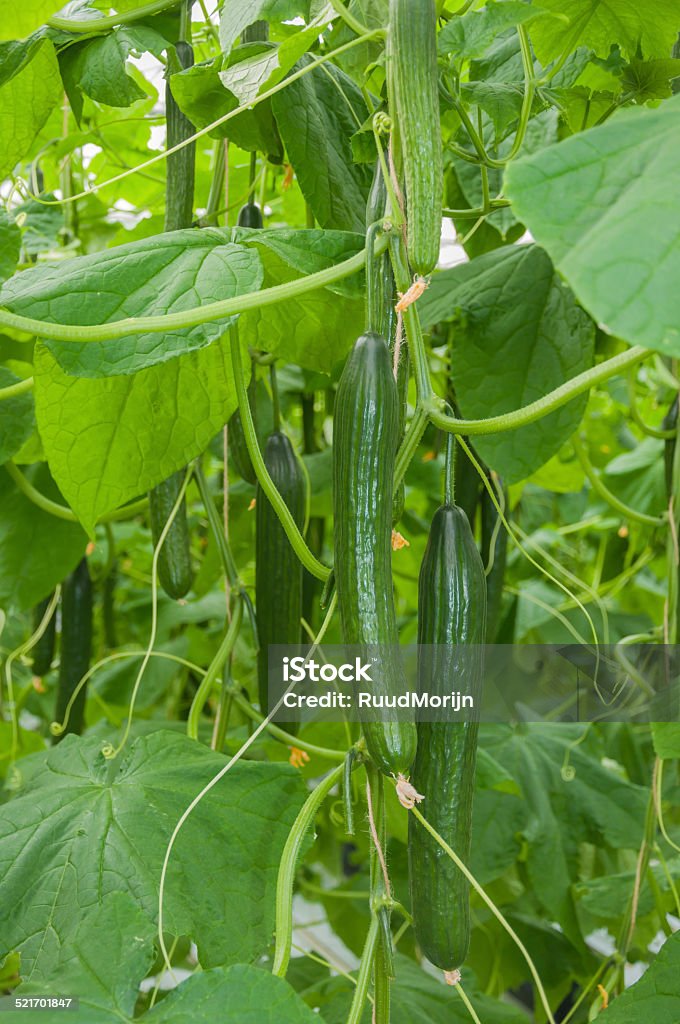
point(174, 561)
point(43, 650)
point(365, 425)
point(175, 572)
point(278, 570)
point(414, 93)
point(75, 646)
point(250, 216)
point(236, 438)
point(670, 422)
point(451, 612)
point(496, 578)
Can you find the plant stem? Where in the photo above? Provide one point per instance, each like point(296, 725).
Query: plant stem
point(310, 562)
point(414, 334)
point(223, 652)
point(287, 868)
point(348, 18)
point(407, 449)
point(61, 511)
point(91, 25)
point(285, 737)
point(542, 406)
point(20, 388)
point(196, 315)
point(603, 491)
point(365, 971)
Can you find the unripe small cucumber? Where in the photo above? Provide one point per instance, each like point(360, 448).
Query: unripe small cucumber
point(174, 559)
point(75, 646)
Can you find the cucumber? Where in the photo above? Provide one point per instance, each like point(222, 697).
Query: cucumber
point(278, 570)
point(75, 646)
point(236, 439)
point(451, 613)
point(316, 528)
point(495, 579)
point(175, 572)
point(414, 104)
point(43, 650)
point(250, 216)
point(365, 425)
point(174, 561)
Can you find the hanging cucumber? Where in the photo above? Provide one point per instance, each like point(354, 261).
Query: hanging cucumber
point(43, 650)
point(365, 425)
point(316, 528)
point(236, 440)
point(492, 524)
point(451, 614)
point(174, 562)
point(414, 104)
point(250, 216)
point(278, 570)
point(75, 646)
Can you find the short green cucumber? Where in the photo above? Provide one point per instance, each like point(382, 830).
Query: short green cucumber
point(75, 646)
point(365, 425)
point(278, 570)
point(43, 651)
point(413, 88)
point(175, 572)
point(250, 216)
point(451, 615)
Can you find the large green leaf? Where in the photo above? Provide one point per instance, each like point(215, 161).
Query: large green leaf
point(162, 274)
point(82, 828)
point(112, 951)
point(585, 200)
point(599, 24)
point(518, 333)
point(656, 996)
point(37, 550)
point(236, 15)
point(470, 36)
point(10, 243)
point(666, 736)
point(19, 19)
point(181, 269)
point(317, 115)
point(109, 440)
point(597, 806)
point(26, 101)
point(17, 418)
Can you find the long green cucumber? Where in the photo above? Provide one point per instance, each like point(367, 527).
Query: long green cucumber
point(365, 425)
point(278, 570)
point(496, 577)
point(174, 561)
point(414, 98)
point(43, 651)
point(75, 646)
point(451, 615)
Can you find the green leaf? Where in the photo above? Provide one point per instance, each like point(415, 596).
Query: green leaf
point(109, 826)
point(202, 95)
point(599, 23)
point(37, 550)
point(236, 15)
point(111, 439)
point(517, 335)
point(162, 274)
point(10, 245)
point(655, 997)
point(111, 953)
point(17, 418)
point(98, 67)
point(26, 101)
point(587, 197)
point(502, 101)
point(471, 36)
point(649, 79)
point(597, 806)
point(18, 20)
point(666, 737)
point(317, 116)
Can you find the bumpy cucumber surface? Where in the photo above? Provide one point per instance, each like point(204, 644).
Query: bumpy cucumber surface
point(278, 570)
point(365, 425)
point(451, 613)
point(43, 650)
point(75, 645)
point(414, 93)
point(174, 560)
